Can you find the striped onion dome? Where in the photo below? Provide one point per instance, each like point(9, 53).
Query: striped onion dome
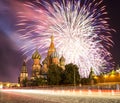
point(62, 58)
point(36, 55)
point(55, 55)
point(45, 61)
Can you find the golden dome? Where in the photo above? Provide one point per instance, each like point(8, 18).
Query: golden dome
point(62, 58)
point(55, 55)
point(36, 55)
point(45, 61)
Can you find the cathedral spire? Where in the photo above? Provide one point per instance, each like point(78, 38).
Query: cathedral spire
point(23, 73)
point(52, 43)
point(52, 38)
point(24, 67)
point(52, 47)
point(24, 63)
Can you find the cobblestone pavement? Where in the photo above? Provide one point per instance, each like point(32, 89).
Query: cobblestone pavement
point(20, 97)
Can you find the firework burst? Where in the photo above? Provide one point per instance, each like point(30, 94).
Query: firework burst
point(81, 31)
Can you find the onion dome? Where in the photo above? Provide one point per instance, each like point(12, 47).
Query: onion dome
point(45, 61)
point(55, 55)
point(36, 55)
point(24, 68)
point(62, 58)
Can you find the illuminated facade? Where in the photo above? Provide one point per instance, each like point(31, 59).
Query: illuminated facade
point(36, 67)
point(51, 58)
point(39, 70)
point(23, 73)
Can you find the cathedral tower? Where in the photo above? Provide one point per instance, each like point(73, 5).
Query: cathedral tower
point(52, 47)
point(62, 62)
point(36, 67)
point(23, 74)
point(50, 51)
point(45, 67)
point(55, 58)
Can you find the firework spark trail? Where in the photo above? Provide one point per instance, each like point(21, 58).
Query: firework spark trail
point(81, 31)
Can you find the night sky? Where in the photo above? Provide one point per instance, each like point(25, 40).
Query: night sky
point(11, 57)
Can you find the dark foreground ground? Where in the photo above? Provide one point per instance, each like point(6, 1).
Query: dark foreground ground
point(28, 96)
point(14, 98)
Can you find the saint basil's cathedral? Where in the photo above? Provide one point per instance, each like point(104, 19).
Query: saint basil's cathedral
point(39, 70)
